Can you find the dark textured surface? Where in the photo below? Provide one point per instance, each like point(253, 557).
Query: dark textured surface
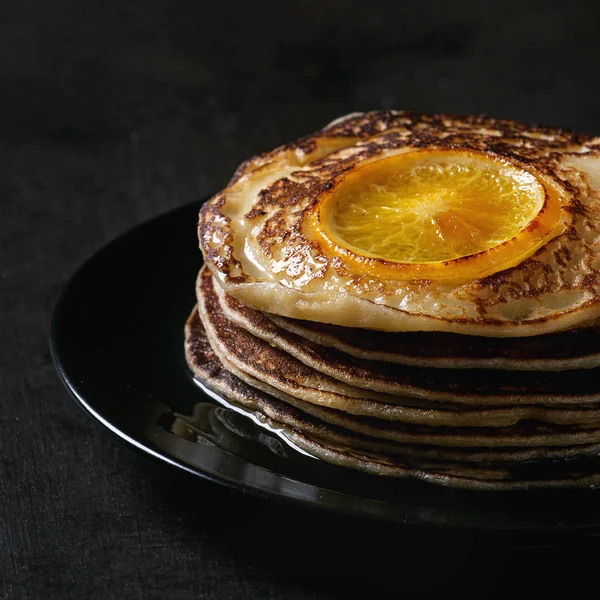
point(111, 112)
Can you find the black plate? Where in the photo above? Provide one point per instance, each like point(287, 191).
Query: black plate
point(117, 340)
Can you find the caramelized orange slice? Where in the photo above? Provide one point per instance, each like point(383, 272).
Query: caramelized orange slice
point(437, 214)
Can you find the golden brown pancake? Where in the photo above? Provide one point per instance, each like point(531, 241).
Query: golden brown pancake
point(477, 468)
point(412, 296)
point(260, 239)
point(329, 372)
point(262, 365)
point(574, 349)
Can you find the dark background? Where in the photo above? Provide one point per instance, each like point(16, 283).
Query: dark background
point(115, 111)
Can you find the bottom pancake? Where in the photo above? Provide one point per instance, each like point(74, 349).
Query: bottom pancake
point(474, 468)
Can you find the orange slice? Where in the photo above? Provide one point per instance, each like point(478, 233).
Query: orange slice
point(437, 214)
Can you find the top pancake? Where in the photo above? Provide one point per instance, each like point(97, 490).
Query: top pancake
point(257, 241)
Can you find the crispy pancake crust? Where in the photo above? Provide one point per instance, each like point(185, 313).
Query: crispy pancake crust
point(254, 236)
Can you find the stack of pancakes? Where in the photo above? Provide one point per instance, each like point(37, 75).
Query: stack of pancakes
point(480, 376)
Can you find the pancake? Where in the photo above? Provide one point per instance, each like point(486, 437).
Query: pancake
point(286, 360)
point(568, 350)
point(481, 469)
point(272, 370)
point(412, 296)
point(271, 241)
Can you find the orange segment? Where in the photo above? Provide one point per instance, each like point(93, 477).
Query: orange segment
point(437, 214)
